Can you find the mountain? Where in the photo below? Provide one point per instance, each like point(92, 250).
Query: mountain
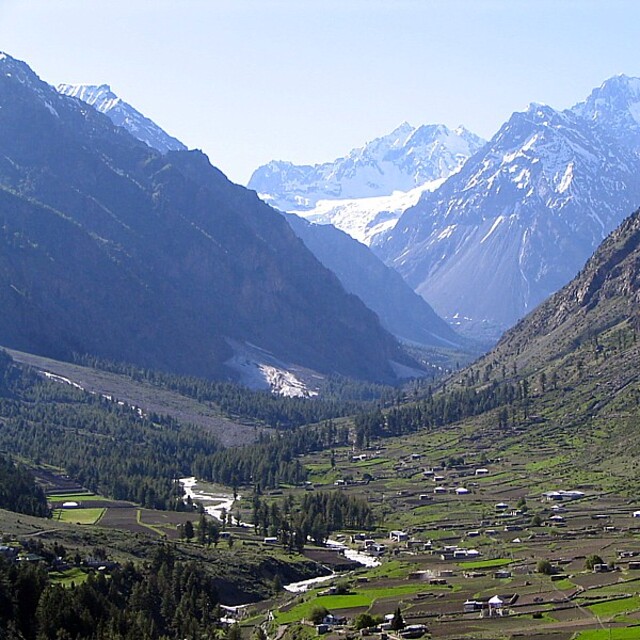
point(594, 318)
point(401, 311)
point(122, 114)
point(522, 215)
point(574, 363)
point(364, 192)
point(113, 249)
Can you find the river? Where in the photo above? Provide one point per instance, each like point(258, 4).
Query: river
point(214, 502)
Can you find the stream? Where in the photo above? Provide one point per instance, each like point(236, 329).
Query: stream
point(215, 502)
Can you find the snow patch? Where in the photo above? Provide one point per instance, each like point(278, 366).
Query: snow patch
point(447, 232)
point(567, 178)
point(284, 383)
point(56, 378)
point(494, 226)
point(260, 370)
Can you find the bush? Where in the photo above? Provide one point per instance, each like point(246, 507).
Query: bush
point(364, 620)
point(318, 613)
point(593, 560)
point(545, 567)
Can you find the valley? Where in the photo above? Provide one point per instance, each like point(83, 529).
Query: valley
point(475, 510)
point(392, 395)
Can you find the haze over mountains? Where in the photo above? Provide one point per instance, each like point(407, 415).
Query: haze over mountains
point(111, 248)
point(515, 223)
point(523, 215)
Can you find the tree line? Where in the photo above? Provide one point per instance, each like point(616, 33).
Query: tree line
point(108, 448)
point(340, 396)
point(19, 491)
point(164, 598)
point(314, 517)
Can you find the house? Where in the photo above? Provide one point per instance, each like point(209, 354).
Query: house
point(375, 550)
point(440, 490)
point(636, 514)
point(70, 504)
point(413, 631)
point(472, 605)
point(559, 496)
point(462, 491)
point(424, 497)
point(270, 540)
point(502, 574)
point(418, 545)
point(398, 536)
point(601, 567)
point(496, 605)
point(482, 472)
point(501, 506)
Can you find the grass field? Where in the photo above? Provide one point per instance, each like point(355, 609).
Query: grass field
point(628, 633)
point(66, 578)
point(359, 598)
point(77, 497)
point(78, 516)
point(486, 564)
point(614, 607)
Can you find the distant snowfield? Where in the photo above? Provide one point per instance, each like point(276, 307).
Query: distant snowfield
point(258, 369)
point(365, 218)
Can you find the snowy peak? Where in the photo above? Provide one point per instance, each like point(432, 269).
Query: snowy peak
point(402, 160)
point(524, 213)
point(616, 95)
point(99, 96)
point(614, 108)
point(123, 115)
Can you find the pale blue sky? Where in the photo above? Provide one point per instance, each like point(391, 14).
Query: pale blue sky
point(252, 80)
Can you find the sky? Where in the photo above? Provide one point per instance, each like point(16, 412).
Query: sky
point(248, 81)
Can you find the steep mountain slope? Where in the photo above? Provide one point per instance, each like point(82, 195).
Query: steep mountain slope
point(401, 311)
point(602, 300)
point(122, 114)
point(111, 248)
point(522, 216)
point(380, 172)
point(568, 372)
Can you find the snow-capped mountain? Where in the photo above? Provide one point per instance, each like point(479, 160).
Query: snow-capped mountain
point(365, 192)
point(614, 108)
point(523, 215)
point(123, 115)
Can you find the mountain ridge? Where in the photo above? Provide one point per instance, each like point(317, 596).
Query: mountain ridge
point(122, 114)
point(155, 258)
point(520, 218)
point(406, 159)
